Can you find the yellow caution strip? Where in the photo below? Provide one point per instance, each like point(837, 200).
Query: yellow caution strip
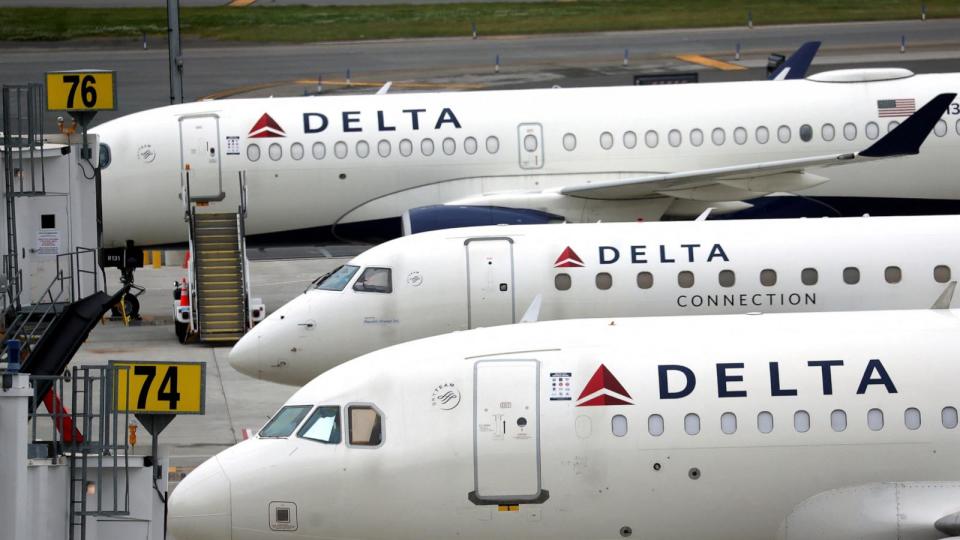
point(710, 62)
point(240, 3)
point(508, 508)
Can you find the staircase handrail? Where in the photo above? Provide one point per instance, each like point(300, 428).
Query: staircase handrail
point(242, 246)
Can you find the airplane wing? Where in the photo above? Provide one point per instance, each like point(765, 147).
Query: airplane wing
point(903, 140)
point(797, 65)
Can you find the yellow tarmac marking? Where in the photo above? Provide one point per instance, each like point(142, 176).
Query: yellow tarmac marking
point(240, 3)
point(398, 85)
point(710, 62)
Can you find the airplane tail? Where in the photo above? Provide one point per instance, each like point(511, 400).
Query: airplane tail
point(797, 65)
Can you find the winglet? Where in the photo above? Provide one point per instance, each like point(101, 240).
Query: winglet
point(385, 88)
point(943, 302)
point(533, 312)
point(906, 138)
point(705, 214)
point(797, 65)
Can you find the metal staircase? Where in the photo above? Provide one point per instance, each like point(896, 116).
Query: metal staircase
point(220, 283)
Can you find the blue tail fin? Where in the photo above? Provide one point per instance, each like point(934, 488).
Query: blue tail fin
point(797, 65)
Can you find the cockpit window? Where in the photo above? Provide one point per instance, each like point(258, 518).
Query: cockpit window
point(322, 426)
point(366, 426)
point(338, 279)
point(374, 280)
point(285, 421)
point(104, 156)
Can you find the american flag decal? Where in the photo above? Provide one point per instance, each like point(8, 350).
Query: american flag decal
point(896, 107)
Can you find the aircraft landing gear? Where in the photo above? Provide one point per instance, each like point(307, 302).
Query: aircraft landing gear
point(126, 259)
point(129, 305)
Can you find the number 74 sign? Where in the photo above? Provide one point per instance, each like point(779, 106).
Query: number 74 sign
point(160, 387)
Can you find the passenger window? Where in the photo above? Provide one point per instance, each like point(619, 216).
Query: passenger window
point(762, 134)
point(604, 281)
point(253, 152)
point(562, 282)
point(783, 134)
point(696, 137)
point(569, 142)
point(727, 278)
point(284, 422)
point(872, 130)
point(941, 273)
point(406, 147)
point(655, 425)
point(366, 426)
point(827, 132)
point(340, 149)
point(718, 136)
point(875, 419)
point(450, 145)
point(892, 125)
point(651, 139)
point(319, 150)
point(426, 147)
point(493, 145)
point(685, 279)
point(674, 138)
point(806, 133)
point(892, 274)
point(911, 418)
point(296, 151)
point(691, 424)
point(949, 417)
point(618, 424)
point(383, 148)
point(851, 275)
point(941, 128)
point(809, 276)
point(322, 426)
point(374, 279)
point(470, 145)
point(606, 140)
point(768, 277)
point(728, 423)
point(338, 279)
point(105, 156)
point(958, 127)
point(838, 420)
point(801, 421)
point(363, 149)
point(740, 135)
point(849, 131)
point(275, 151)
point(644, 280)
point(629, 139)
point(765, 422)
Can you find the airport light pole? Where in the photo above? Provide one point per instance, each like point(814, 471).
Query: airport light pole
point(173, 44)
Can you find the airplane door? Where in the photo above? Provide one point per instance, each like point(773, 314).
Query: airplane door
point(490, 299)
point(506, 431)
point(200, 153)
point(530, 137)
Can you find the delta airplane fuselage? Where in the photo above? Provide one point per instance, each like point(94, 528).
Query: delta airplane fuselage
point(346, 161)
point(788, 426)
point(441, 281)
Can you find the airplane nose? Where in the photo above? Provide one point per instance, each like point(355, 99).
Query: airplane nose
point(245, 356)
point(200, 505)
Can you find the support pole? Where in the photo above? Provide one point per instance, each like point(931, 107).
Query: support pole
point(175, 54)
point(14, 396)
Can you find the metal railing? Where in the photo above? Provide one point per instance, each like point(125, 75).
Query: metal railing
point(88, 429)
point(242, 247)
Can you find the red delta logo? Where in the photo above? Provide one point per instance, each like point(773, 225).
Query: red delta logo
point(603, 389)
point(266, 127)
point(568, 259)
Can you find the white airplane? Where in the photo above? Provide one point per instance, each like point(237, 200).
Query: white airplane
point(351, 166)
point(437, 282)
point(789, 426)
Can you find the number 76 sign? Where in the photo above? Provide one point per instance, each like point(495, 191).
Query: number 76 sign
point(160, 387)
point(84, 90)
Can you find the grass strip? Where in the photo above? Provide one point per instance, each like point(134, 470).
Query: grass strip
point(301, 24)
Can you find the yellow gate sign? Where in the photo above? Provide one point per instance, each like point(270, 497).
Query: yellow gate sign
point(160, 387)
point(81, 90)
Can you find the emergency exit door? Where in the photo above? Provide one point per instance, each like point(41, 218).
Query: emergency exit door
point(490, 298)
point(506, 431)
point(200, 153)
point(531, 146)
